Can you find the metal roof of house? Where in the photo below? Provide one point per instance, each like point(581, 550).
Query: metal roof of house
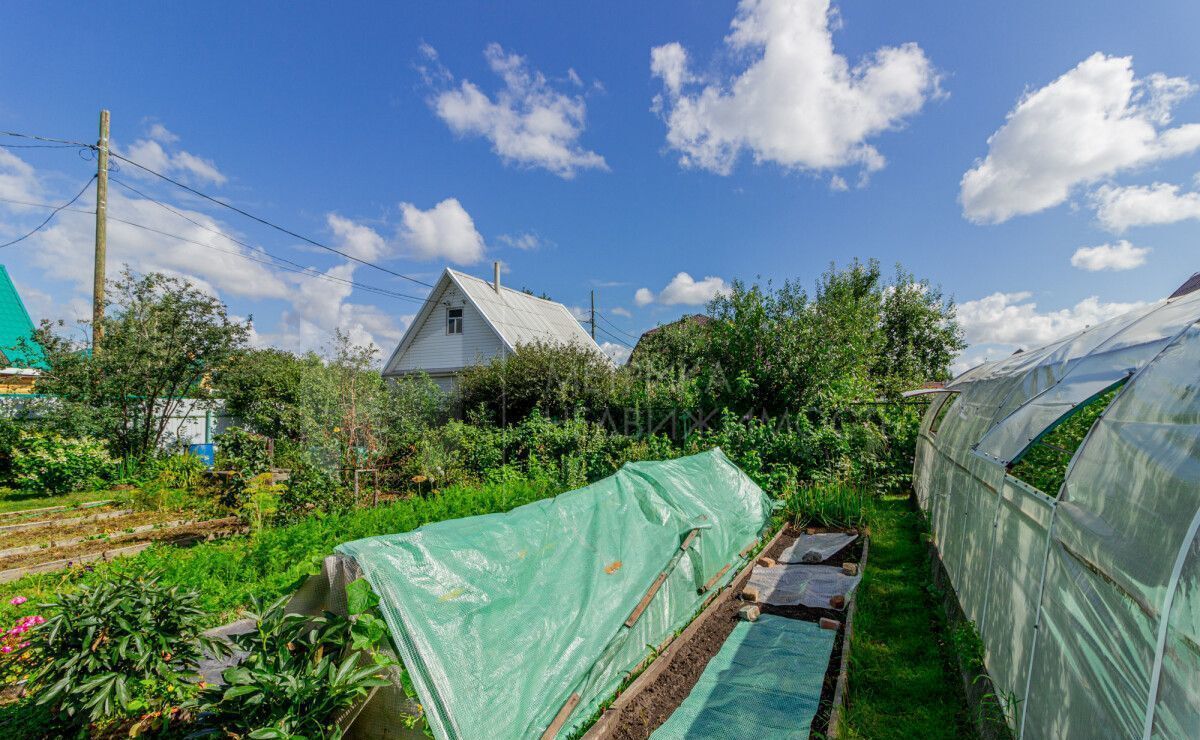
point(520, 318)
point(15, 325)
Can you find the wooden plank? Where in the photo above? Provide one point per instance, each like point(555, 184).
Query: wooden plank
point(687, 541)
point(111, 536)
point(13, 574)
point(560, 719)
point(645, 602)
point(840, 696)
point(715, 578)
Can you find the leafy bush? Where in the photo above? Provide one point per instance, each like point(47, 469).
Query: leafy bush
point(104, 643)
point(52, 463)
point(245, 455)
point(557, 379)
point(311, 488)
point(300, 672)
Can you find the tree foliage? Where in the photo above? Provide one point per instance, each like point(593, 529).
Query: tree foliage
point(162, 337)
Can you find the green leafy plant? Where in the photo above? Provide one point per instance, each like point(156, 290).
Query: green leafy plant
point(52, 463)
point(241, 455)
point(104, 640)
point(300, 672)
point(260, 500)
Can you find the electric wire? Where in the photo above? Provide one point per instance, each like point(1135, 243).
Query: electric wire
point(300, 269)
point(614, 337)
point(296, 266)
point(270, 224)
point(614, 326)
point(47, 139)
point(223, 204)
point(53, 213)
point(239, 242)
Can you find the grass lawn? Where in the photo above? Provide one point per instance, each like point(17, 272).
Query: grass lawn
point(11, 500)
point(902, 684)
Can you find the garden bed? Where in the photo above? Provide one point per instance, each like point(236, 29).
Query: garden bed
point(656, 694)
point(50, 559)
point(56, 534)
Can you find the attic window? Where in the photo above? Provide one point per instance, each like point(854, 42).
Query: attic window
point(454, 321)
point(1043, 464)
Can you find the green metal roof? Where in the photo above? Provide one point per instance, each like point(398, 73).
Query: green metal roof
point(15, 325)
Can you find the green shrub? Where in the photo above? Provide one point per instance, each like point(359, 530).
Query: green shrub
point(311, 488)
point(245, 455)
point(52, 463)
point(300, 672)
point(108, 642)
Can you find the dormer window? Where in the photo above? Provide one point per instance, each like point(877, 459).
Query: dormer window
point(454, 321)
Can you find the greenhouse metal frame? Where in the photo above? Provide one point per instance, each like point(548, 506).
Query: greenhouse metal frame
point(1087, 598)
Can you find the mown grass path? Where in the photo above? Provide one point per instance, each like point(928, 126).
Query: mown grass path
point(902, 683)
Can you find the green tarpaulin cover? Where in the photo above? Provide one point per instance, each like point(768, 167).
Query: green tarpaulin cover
point(765, 682)
point(502, 619)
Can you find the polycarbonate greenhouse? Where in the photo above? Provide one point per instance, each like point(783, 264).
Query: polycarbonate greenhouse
point(1087, 597)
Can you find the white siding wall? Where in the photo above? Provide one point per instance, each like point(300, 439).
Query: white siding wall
point(434, 349)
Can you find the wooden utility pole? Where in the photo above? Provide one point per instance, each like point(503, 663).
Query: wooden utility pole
point(593, 321)
point(101, 233)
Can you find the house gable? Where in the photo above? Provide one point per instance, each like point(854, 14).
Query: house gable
point(428, 347)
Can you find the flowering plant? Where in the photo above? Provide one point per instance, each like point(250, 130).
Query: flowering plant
point(16, 659)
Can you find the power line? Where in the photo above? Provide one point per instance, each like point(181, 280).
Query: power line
point(47, 139)
point(52, 215)
point(298, 269)
point(270, 224)
point(218, 232)
point(38, 146)
point(613, 337)
point(610, 323)
point(223, 204)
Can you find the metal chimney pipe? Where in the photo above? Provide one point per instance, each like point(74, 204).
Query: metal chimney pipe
point(496, 276)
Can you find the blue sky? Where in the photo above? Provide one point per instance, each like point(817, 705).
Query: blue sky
point(421, 135)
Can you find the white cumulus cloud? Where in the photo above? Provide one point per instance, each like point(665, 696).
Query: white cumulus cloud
point(684, 290)
point(1096, 120)
point(445, 231)
point(18, 179)
point(618, 353)
point(152, 152)
point(528, 121)
point(798, 103)
point(1116, 257)
point(1012, 319)
point(1119, 208)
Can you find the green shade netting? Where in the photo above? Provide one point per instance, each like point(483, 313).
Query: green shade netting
point(501, 619)
point(764, 682)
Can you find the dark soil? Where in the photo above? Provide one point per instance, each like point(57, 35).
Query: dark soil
point(659, 699)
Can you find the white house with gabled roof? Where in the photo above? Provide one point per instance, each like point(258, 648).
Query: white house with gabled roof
point(467, 321)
